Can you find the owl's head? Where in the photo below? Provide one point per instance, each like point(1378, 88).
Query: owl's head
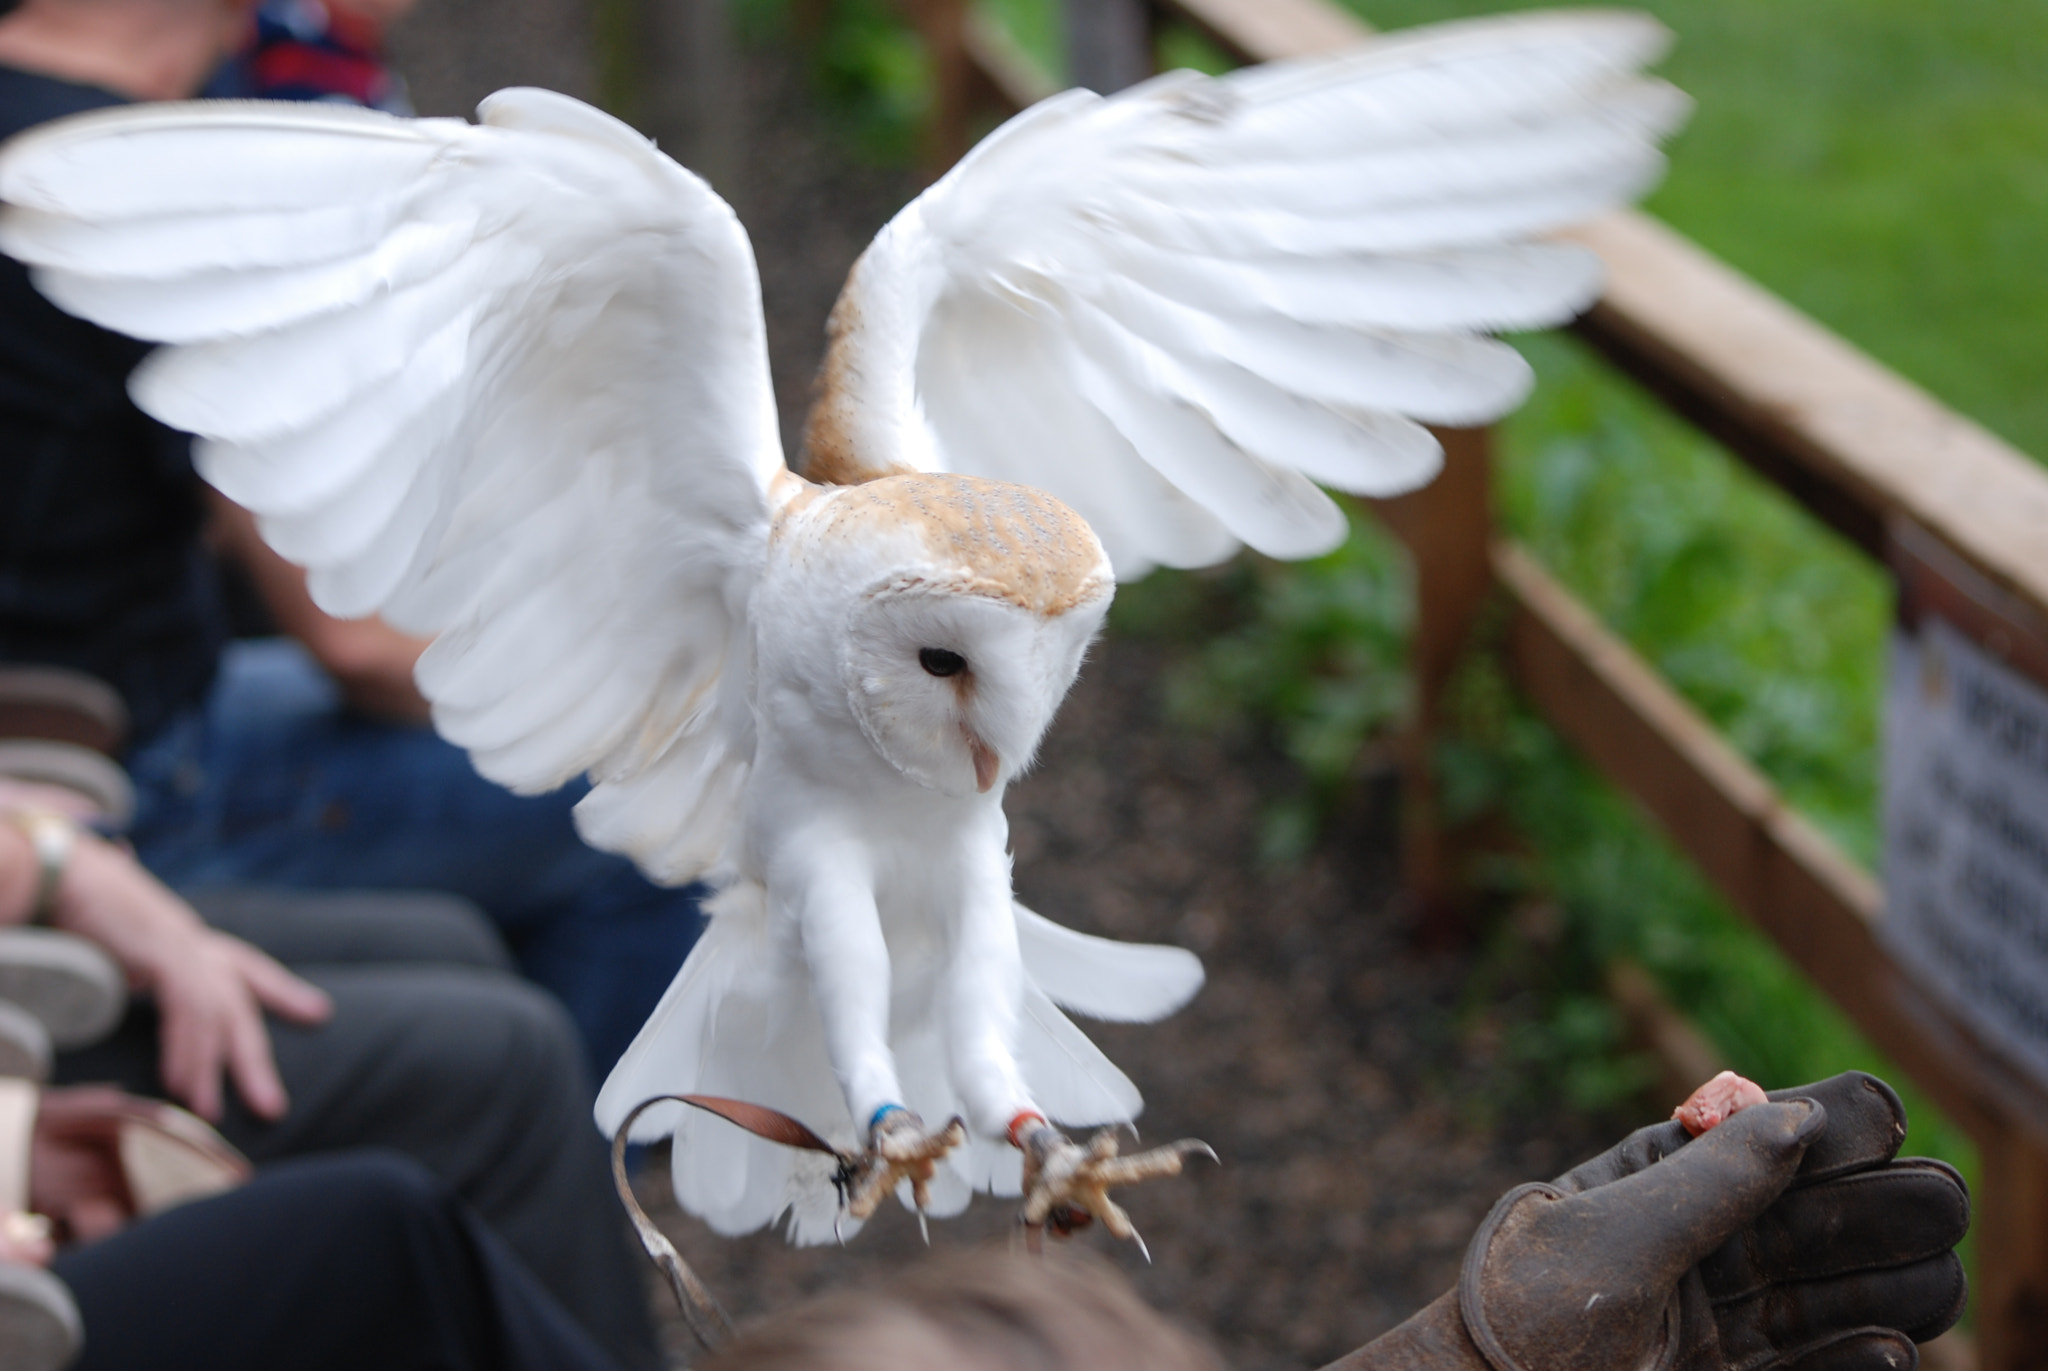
point(978, 601)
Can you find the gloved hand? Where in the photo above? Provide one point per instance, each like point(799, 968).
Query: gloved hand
point(1787, 1237)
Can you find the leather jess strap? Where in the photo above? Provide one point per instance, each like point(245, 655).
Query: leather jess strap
point(761, 1121)
point(700, 1308)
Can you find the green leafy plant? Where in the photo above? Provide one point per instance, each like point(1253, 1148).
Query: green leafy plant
point(874, 67)
point(867, 62)
point(1314, 652)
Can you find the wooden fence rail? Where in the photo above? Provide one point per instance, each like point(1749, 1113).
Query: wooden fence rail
point(1901, 477)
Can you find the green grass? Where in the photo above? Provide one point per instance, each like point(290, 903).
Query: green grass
point(1762, 618)
point(1880, 164)
point(1038, 27)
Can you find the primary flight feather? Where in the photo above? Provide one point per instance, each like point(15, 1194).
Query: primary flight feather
point(507, 385)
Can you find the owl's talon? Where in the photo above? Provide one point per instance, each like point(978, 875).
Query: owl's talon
point(899, 1149)
point(1067, 1185)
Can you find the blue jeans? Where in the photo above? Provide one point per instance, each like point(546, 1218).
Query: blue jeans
point(275, 783)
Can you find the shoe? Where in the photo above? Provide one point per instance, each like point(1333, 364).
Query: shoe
point(39, 1325)
point(71, 987)
point(99, 780)
point(61, 705)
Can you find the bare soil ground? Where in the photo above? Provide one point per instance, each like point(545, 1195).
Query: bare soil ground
point(1364, 1124)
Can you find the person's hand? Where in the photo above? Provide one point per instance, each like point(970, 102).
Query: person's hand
point(99, 1158)
point(210, 995)
point(75, 1177)
point(1785, 1237)
point(211, 989)
point(25, 1240)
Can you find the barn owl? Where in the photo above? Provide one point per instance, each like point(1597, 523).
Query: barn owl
point(507, 384)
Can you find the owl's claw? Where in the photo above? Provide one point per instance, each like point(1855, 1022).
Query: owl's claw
point(1067, 1185)
point(899, 1149)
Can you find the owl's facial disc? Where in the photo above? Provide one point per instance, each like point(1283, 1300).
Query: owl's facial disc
point(940, 661)
point(987, 766)
point(955, 688)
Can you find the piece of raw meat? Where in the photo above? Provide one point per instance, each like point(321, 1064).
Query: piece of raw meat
point(1714, 1102)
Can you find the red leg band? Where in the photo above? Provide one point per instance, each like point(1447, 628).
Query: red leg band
point(1017, 1125)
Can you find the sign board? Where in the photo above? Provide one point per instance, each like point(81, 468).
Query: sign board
point(1966, 813)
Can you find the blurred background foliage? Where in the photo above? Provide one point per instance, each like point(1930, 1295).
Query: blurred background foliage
point(866, 62)
point(1883, 166)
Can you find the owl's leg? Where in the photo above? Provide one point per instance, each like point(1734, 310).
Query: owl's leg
point(1066, 1184)
point(900, 1148)
point(984, 998)
point(848, 961)
point(1062, 1180)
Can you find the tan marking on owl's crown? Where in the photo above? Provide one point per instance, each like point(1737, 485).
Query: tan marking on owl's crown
point(1005, 541)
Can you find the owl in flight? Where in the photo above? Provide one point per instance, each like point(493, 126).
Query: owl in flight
point(507, 385)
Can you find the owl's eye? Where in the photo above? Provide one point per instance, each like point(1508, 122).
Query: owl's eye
point(939, 662)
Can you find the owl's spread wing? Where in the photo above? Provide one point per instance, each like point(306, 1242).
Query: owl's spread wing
point(1181, 308)
point(505, 383)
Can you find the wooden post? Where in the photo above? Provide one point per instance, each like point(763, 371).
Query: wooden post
point(2010, 1229)
point(943, 26)
point(1448, 529)
point(1109, 43)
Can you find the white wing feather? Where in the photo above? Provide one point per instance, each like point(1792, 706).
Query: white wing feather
point(505, 383)
point(1180, 308)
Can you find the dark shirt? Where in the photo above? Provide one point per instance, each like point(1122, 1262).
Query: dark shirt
point(102, 567)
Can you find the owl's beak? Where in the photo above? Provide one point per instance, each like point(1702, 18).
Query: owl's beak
point(986, 763)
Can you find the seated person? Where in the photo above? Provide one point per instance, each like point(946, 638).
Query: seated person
point(396, 1025)
point(326, 50)
point(350, 1261)
point(302, 761)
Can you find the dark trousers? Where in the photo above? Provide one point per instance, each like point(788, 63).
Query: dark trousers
point(438, 1050)
point(351, 1262)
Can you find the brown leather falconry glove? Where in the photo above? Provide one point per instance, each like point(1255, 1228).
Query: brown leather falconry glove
point(1787, 1237)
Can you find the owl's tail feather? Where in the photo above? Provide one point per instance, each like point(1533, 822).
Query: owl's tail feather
point(1099, 978)
point(737, 1021)
point(673, 1051)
